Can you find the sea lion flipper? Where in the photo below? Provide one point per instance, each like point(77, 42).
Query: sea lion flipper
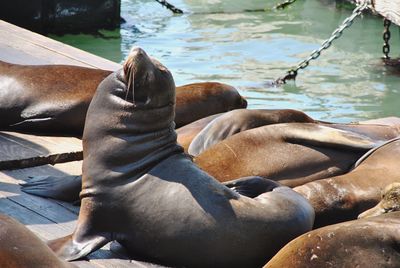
point(69, 249)
point(252, 186)
point(328, 137)
point(64, 188)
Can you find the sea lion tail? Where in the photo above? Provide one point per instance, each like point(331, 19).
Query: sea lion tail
point(69, 249)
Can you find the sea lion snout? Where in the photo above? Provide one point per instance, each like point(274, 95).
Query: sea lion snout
point(149, 82)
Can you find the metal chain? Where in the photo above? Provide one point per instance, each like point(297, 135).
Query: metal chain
point(292, 73)
point(171, 7)
point(386, 38)
point(284, 4)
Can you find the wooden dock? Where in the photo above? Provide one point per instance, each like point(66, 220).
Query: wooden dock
point(22, 156)
point(389, 9)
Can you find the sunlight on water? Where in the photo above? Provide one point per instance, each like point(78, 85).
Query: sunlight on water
point(249, 49)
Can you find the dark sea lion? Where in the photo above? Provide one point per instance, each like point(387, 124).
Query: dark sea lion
point(196, 101)
point(390, 202)
point(240, 120)
point(342, 198)
point(140, 189)
point(291, 153)
point(371, 242)
point(54, 98)
point(187, 133)
point(19, 247)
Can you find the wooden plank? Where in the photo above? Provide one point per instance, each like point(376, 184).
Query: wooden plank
point(23, 150)
point(389, 9)
point(21, 46)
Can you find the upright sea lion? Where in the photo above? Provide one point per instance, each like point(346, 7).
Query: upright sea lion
point(342, 198)
point(19, 247)
point(371, 242)
point(54, 98)
point(141, 189)
point(390, 202)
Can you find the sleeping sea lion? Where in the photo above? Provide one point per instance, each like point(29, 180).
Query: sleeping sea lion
point(390, 202)
point(19, 247)
point(53, 99)
point(371, 242)
point(342, 198)
point(140, 189)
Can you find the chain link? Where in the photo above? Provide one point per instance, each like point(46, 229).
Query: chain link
point(292, 73)
point(171, 7)
point(386, 38)
point(284, 4)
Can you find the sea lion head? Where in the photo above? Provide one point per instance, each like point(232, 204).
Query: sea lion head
point(390, 202)
point(149, 83)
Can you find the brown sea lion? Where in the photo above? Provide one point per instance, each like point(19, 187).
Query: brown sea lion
point(371, 242)
point(54, 98)
point(291, 153)
point(19, 248)
point(342, 198)
point(187, 133)
point(140, 189)
point(240, 120)
point(390, 202)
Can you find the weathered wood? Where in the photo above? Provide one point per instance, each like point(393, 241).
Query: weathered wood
point(23, 150)
point(389, 9)
point(21, 46)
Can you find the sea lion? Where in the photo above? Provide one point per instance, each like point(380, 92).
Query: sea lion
point(53, 99)
point(140, 189)
point(19, 247)
point(187, 133)
point(370, 242)
point(210, 98)
point(240, 120)
point(342, 198)
point(390, 202)
point(291, 153)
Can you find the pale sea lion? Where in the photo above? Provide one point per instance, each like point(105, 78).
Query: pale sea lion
point(390, 202)
point(291, 153)
point(54, 98)
point(19, 247)
point(371, 242)
point(240, 120)
point(141, 189)
point(342, 198)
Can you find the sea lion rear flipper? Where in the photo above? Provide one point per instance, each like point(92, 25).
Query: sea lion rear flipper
point(69, 249)
point(64, 188)
point(251, 186)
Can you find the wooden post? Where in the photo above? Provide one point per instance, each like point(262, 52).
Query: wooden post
point(389, 9)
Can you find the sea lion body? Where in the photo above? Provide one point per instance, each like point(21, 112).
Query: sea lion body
point(46, 98)
point(370, 242)
point(141, 189)
point(343, 197)
point(19, 247)
point(54, 99)
point(291, 153)
point(240, 120)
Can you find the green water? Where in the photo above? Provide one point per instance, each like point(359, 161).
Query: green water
point(248, 49)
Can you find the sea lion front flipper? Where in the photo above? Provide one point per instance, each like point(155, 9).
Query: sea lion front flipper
point(325, 136)
point(69, 249)
point(252, 186)
point(64, 188)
